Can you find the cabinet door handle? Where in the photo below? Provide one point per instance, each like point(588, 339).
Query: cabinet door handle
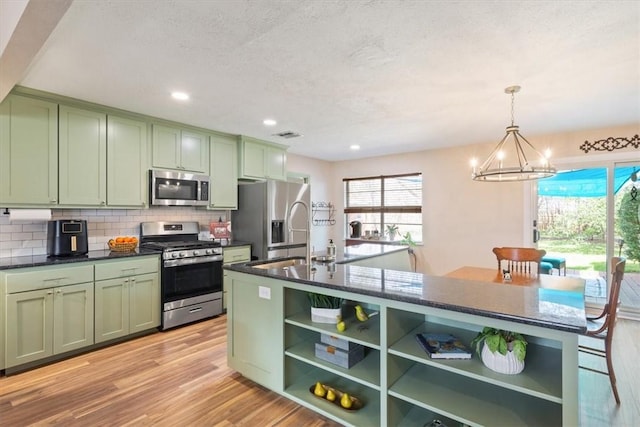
point(195, 310)
point(133, 281)
point(53, 201)
point(49, 292)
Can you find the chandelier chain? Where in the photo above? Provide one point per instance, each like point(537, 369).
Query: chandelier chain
point(512, 102)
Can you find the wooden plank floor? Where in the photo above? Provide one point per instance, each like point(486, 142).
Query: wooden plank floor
point(180, 378)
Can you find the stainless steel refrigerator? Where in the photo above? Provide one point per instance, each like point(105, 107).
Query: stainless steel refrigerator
point(264, 209)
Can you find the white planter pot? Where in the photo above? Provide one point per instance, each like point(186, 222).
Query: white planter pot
point(326, 315)
point(507, 364)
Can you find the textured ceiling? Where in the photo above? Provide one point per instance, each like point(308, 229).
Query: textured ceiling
point(391, 76)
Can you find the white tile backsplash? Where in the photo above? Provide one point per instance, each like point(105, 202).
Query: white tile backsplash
point(30, 238)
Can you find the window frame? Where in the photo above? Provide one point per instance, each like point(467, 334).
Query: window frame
point(382, 209)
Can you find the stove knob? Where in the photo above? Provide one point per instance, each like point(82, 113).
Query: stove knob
point(183, 254)
point(196, 253)
point(174, 255)
point(209, 251)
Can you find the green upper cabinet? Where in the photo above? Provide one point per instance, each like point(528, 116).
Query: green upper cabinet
point(262, 160)
point(82, 157)
point(28, 152)
point(127, 162)
point(181, 149)
point(224, 172)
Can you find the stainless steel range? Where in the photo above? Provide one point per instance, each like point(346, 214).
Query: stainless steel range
point(191, 271)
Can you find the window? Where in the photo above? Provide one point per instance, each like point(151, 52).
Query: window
point(381, 202)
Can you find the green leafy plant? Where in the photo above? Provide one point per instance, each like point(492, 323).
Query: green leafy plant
point(407, 240)
point(392, 230)
point(501, 341)
point(629, 223)
point(324, 301)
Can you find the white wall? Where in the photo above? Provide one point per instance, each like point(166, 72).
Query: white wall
point(321, 180)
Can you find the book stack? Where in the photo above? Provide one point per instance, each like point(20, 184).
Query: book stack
point(443, 346)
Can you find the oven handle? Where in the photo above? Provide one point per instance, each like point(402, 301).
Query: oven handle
point(188, 261)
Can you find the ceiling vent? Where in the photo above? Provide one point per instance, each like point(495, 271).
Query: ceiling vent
point(287, 134)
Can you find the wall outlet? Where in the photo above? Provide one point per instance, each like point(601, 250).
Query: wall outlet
point(264, 292)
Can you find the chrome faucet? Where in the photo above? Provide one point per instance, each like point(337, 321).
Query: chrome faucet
point(307, 230)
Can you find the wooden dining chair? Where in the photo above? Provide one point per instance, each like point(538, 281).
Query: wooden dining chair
point(519, 260)
point(602, 326)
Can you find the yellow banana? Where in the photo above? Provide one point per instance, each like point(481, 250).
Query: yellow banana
point(360, 314)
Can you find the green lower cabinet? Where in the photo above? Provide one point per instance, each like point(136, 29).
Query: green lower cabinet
point(45, 322)
point(255, 346)
point(112, 309)
point(231, 256)
point(72, 317)
point(126, 305)
point(144, 302)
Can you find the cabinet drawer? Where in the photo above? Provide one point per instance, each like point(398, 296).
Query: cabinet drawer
point(239, 254)
point(31, 279)
point(125, 268)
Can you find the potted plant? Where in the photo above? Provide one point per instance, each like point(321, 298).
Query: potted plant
point(392, 230)
point(407, 240)
point(503, 351)
point(325, 309)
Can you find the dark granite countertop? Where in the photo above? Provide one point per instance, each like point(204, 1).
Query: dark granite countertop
point(43, 260)
point(558, 303)
point(346, 254)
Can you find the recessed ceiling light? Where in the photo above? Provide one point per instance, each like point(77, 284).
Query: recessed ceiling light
point(355, 147)
point(269, 122)
point(180, 96)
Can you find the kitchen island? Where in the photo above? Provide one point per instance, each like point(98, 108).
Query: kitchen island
point(271, 340)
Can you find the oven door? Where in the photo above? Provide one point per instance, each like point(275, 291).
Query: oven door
point(191, 277)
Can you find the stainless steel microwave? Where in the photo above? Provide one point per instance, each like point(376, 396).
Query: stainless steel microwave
point(173, 188)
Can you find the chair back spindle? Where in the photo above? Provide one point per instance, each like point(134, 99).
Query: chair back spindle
point(519, 260)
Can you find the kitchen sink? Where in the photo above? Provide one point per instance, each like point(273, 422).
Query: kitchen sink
point(281, 264)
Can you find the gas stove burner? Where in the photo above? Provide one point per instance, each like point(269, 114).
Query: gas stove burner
point(177, 240)
point(180, 245)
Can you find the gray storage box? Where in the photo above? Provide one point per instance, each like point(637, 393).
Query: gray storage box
point(342, 358)
point(339, 342)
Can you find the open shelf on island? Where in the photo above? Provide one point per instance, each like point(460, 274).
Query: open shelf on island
point(542, 376)
point(299, 376)
point(405, 414)
point(365, 333)
point(471, 401)
point(367, 371)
